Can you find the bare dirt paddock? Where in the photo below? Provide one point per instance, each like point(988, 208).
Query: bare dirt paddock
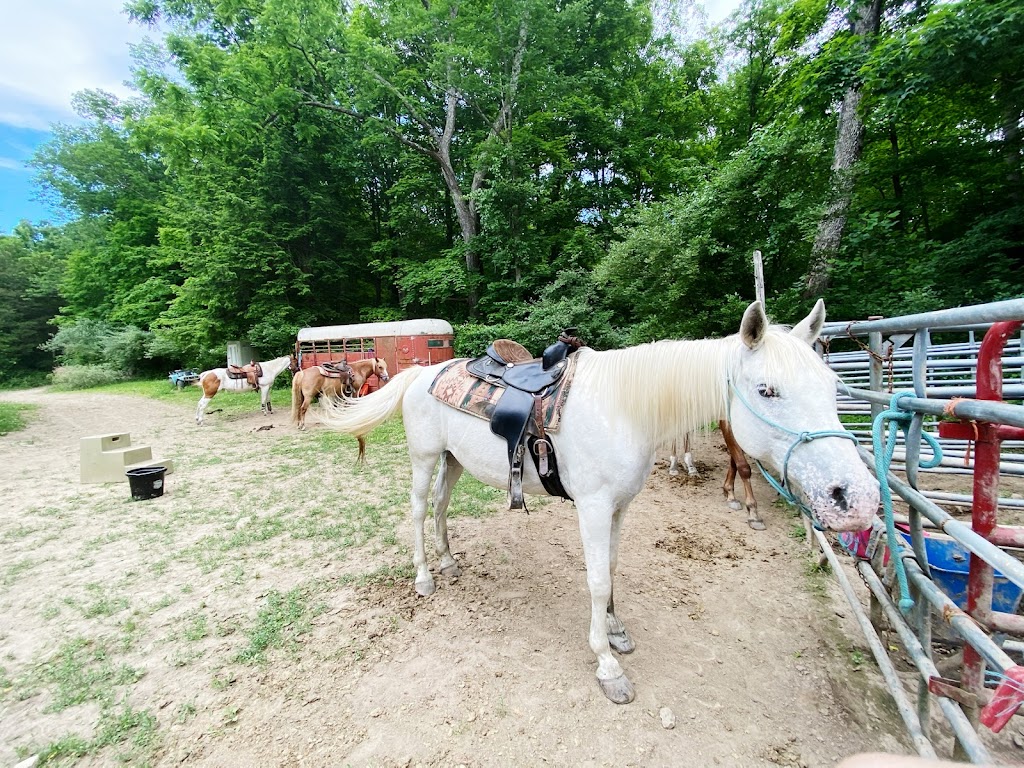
point(261, 613)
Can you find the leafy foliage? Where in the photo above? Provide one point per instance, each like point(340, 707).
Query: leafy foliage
point(515, 167)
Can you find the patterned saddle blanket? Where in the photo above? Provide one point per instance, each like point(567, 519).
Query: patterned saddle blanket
point(456, 387)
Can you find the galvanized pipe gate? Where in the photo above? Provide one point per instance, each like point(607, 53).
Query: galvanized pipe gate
point(984, 419)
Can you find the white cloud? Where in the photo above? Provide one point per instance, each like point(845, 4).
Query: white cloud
point(50, 49)
point(10, 164)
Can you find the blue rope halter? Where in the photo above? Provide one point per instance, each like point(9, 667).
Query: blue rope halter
point(782, 487)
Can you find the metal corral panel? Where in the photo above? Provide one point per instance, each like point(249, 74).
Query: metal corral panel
point(426, 326)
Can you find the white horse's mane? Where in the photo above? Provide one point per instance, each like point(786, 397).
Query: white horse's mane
point(668, 388)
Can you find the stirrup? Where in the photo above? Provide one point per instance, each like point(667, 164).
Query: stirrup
point(515, 489)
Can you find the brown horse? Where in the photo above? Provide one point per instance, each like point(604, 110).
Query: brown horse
point(311, 382)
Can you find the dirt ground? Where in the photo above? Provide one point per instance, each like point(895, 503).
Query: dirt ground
point(745, 656)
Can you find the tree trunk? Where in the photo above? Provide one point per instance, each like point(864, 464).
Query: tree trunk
point(849, 142)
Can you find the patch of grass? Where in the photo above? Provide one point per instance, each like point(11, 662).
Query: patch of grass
point(69, 747)
point(182, 658)
point(14, 417)
point(282, 619)
point(132, 631)
point(471, 498)
point(386, 575)
point(135, 732)
point(856, 659)
point(136, 728)
point(20, 531)
point(818, 574)
point(80, 671)
point(14, 570)
point(185, 712)
point(102, 602)
point(196, 628)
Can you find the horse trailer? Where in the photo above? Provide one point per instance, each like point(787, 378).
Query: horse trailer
point(402, 344)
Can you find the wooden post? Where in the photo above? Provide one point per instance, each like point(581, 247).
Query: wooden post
point(759, 279)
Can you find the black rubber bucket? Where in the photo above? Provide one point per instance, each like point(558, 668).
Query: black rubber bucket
point(146, 482)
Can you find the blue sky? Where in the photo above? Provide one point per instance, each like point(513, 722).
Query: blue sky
point(51, 49)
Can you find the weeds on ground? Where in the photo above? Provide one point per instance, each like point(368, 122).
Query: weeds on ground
point(14, 417)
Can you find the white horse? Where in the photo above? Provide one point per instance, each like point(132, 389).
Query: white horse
point(768, 381)
point(216, 380)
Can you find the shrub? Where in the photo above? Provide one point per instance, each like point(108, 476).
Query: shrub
point(125, 349)
point(81, 343)
point(84, 376)
point(96, 343)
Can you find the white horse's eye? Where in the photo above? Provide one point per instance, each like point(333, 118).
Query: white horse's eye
point(765, 391)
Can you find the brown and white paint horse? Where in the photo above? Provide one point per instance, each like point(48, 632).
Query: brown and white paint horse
point(216, 380)
point(309, 383)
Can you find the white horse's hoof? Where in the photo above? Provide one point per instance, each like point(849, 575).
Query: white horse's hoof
point(618, 690)
point(673, 473)
point(452, 571)
point(735, 505)
point(621, 642)
point(425, 588)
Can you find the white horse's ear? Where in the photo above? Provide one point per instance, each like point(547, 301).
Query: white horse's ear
point(754, 325)
point(810, 327)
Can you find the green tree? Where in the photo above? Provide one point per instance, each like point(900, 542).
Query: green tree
point(30, 272)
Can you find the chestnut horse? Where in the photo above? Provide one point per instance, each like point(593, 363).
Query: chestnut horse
point(364, 369)
point(311, 382)
point(216, 380)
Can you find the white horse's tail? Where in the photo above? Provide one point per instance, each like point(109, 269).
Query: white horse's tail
point(358, 417)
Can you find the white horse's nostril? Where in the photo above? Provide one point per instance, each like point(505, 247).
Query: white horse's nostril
point(839, 497)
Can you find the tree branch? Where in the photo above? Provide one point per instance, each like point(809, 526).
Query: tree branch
point(311, 101)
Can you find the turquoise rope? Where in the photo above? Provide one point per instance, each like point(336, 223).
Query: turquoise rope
point(884, 427)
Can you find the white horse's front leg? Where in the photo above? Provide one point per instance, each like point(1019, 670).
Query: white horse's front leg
point(265, 406)
point(618, 637)
point(596, 533)
point(447, 475)
point(421, 472)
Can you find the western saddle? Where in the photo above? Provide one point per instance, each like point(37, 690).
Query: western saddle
point(252, 372)
point(518, 416)
point(339, 369)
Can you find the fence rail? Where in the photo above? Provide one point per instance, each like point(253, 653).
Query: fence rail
point(957, 390)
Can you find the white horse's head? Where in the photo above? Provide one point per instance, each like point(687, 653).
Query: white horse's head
point(783, 413)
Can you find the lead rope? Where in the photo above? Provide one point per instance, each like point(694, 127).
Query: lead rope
point(886, 427)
